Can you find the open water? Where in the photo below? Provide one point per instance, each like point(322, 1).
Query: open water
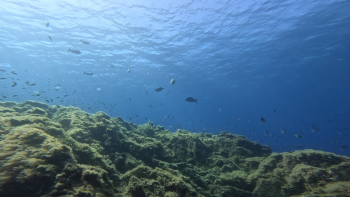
point(240, 59)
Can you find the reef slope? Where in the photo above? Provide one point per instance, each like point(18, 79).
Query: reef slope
point(63, 151)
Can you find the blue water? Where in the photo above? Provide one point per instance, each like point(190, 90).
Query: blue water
point(240, 59)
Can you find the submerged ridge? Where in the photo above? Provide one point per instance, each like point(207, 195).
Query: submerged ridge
point(50, 150)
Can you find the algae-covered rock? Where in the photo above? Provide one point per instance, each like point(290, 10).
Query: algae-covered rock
point(63, 151)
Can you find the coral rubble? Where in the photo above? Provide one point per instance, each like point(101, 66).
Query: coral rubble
point(63, 151)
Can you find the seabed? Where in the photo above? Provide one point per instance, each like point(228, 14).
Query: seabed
point(50, 150)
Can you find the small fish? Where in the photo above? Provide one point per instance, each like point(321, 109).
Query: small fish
point(14, 84)
point(111, 66)
point(299, 146)
point(298, 136)
point(129, 99)
point(14, 95)
point(2, 70)
point(88, 73)
point(50, 38)
point(128, 70)
point(266, 132)
point(190, 99)
point(158, 89)
point(51, 100)
point(65, 95)
point(38, 95)
point(47, 24)
point(146, 93)
point(89, 107)
point(2, 78)
point(74, 51)
point(262, 120)
point(344, 147)
point(148, 74)
point(84, 42)
point(201, 119)
point(172, 81)
point(108, 142)
point(33, 84)
point(172, 117)
point(3, 96)
point(13, 72)
point(283, 131)
point(274, 111)
point(47, 101)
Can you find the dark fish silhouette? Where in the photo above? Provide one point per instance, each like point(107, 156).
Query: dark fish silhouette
point(84, 42)
point(88, 73)
point(262, 120)
point(74, 51)
point(190, 99)
point(172, 81)
point(50, 38)
point(47, 24)
point(159, 89)
point(274, 111)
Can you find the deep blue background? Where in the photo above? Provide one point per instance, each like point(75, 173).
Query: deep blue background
point(240, 59)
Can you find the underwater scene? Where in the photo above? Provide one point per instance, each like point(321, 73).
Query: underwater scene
point(186, 98)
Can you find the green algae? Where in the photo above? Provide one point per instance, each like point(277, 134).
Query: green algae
point(63, 151)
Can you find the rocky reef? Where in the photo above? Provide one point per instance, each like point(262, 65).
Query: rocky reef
point(63, 151)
